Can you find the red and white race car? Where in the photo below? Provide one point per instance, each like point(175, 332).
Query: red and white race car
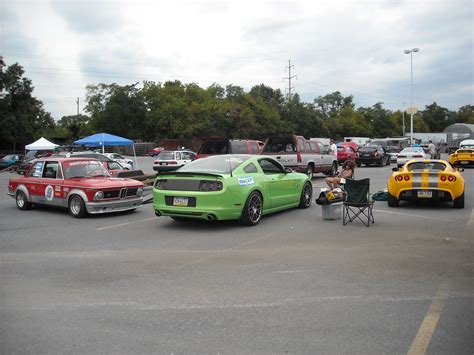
point(82, 185)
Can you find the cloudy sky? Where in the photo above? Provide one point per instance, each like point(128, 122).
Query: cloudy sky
point(354, 46)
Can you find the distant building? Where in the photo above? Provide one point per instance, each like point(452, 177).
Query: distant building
point(458, 132)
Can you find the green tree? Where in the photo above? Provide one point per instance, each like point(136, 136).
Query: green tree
point(22, 116)
point(436, 117)
point(74, 127)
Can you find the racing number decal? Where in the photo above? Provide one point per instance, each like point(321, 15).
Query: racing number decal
point(49, 193)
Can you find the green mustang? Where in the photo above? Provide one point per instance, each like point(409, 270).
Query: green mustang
point(230, 186)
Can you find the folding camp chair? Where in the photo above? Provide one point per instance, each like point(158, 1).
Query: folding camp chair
point(358, 204)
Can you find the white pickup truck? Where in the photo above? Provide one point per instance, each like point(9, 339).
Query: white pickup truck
point(300, 154)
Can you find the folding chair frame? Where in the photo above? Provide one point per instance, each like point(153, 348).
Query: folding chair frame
point(361, 211)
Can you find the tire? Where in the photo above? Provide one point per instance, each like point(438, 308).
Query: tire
point(381, 162)
point(333, 171)
point(77, 207)
point(459, 202)
point(306, 195)
point(388, 161)
point(392, 201)
point(21, 201)
point(310, 171)
point(253, 208)
point(359, 165)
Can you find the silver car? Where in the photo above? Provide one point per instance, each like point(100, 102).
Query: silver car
point(410, 153)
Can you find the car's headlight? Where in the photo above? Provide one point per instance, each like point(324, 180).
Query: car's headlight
point(140, 191)
point(99, 195)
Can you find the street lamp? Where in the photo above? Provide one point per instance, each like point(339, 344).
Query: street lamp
point(410, 51)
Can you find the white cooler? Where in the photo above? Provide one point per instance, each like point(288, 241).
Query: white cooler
point(332, 211)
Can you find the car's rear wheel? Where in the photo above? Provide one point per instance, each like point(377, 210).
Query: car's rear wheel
point(459, 202)
point(310, 171)
point(22, 201)
point(392, 201)
point(253, 209)
point(334, 168)
point(77, 207)
point(306, 195)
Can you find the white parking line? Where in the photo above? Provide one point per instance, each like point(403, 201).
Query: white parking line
point(124, 224)
point(418, 216)
point(471, 219)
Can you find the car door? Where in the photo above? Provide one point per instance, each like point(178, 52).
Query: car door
point(51, 187)
point(281, 189)
point(32, 182)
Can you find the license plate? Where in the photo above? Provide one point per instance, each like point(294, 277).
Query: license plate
point(163, 163)
point(180, 201)
point(425, 194)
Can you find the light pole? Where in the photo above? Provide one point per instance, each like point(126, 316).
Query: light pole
point(410, 51)
point(403, 120)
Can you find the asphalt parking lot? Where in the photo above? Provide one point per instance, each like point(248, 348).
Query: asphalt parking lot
point(295, 283)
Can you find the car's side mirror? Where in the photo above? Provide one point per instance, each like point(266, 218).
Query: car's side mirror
point(395, 169)
point(288, 170)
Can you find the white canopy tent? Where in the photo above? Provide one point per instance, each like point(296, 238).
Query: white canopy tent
point(41, 144)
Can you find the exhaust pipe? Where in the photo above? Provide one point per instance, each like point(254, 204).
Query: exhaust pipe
point(157, 213)
point(211, 217)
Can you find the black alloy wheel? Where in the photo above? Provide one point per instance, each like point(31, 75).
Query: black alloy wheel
point(252, 212)
point(306, 195)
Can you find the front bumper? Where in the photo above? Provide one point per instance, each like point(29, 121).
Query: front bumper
point(98, 207)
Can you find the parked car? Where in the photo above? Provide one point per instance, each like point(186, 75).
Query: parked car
point(433, 180)
point(372, 154)
point(230, 187)
point(111, 165)
point(170, 160)
point(9, 160)
point(301, 155)
point(81, 185)
point(393, 153)
point(220, 146)
point(155, 151)
point(462, 157)
point(126, 163)
point(345, 152)
point(410, 153)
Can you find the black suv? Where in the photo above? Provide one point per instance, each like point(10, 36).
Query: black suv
point(372, 154)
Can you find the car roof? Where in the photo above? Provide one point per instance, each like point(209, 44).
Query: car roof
point(64, 159)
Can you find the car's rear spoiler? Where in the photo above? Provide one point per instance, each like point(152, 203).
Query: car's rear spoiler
point(189, 173)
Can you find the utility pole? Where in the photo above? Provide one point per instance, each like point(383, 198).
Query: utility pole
point(77, 101)
point(289, 78)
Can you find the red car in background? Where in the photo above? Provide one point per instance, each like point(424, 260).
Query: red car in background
point(346, 151)
point(155, 151)
point(82, 185)
point(220, 146)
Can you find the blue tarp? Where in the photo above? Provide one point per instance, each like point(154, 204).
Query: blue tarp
point(103, 139)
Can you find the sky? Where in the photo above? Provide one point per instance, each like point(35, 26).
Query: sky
point(352, 46)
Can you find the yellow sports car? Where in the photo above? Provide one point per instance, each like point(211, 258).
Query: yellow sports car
point(432, 180)
point(462, 157)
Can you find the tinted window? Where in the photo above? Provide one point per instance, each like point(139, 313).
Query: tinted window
point(221, 164)
point(307, 146)
point(367, 149)
point(251, 168)
point(166, 156)
point(214, 147)
point(322, 148)
point(430, 166)
point(300, 144)
point(239, 147)
point(280, 145)
point(313, 146)
point(270, 166)
point(50, 170)
point(113, 165)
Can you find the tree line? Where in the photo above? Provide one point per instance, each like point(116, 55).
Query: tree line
point(175, 110)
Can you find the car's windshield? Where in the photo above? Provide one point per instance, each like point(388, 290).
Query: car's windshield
point(426, 165)
point(9, 157)
point(84, 169)
point(221, 164)
point(280, 145)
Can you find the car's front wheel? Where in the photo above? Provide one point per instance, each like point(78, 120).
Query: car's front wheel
point(306, 195)
point(253, 209)
point(77, 207)
point(392, 201)
point(22, 201)
point(459, 202)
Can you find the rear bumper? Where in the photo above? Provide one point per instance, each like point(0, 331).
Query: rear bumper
point(163, 168)
point(437, 195)
point(113, 206)
point(368, 160)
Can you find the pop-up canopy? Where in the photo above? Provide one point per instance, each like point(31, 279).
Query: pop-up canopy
point(41, 144)
point(103, 139)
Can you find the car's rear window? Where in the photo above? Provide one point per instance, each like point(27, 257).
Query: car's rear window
point(214, 147)
point(426, 165)
point(166, 156)
point(239, 147)
point(280, 145)
point(368, 149)
point(220, 164)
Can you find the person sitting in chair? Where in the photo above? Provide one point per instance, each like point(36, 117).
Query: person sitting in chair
point(347, 172)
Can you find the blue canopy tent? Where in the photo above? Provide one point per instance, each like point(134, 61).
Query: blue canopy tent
point(105, 139)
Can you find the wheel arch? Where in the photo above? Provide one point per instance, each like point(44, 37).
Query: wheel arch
point(23, 189)
point(79, 192)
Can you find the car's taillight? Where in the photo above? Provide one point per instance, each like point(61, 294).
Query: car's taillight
point(406, 178)
point(172, 163)
point(401, 156)
point(417, 156)
point(399, 178)
point(376, 154)
point(298, 157)
point(206, 185)
point(160, 184)
point(451, 178)
point(443, 178)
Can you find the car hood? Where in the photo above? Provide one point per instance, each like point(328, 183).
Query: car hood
point(108, 182)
